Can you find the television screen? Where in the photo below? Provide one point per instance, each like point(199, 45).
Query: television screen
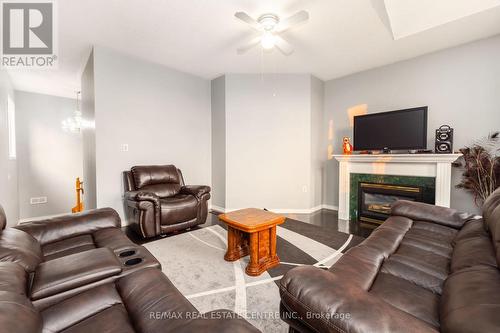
point(402, 129)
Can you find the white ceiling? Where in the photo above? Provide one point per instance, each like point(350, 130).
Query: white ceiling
point(201, 36)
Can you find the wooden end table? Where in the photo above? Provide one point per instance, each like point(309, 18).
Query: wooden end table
point(252, 231)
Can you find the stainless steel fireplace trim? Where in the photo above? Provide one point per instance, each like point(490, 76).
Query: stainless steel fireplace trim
point(374, 219)
point(391, 187)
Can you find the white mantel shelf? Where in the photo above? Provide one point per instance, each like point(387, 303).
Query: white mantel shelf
point(398, 158)
point(423, 165)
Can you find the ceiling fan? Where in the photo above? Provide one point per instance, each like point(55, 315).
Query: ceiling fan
point(270, 27)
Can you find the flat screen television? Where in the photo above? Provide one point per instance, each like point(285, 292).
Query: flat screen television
point(395, 130)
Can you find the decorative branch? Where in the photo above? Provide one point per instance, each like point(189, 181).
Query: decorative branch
point(481, 165)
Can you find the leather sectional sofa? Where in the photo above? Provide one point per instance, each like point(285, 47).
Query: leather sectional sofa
point(158, 202)
point(80, 273)
point(426, 269)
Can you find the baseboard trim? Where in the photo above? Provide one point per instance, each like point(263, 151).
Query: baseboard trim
point(281, 210)
point(330, 207)
point(217, 209)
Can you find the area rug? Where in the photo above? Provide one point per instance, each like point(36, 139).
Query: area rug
point(194, 262)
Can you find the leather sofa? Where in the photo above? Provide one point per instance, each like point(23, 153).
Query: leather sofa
point(68, 254)
point(80, 273)
point(144, 301)
point(425, 269)
point(158, 202)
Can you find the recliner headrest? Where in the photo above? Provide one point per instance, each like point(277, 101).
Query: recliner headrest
point(155, 174)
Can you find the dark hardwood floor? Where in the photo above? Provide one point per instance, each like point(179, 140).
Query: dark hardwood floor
point(324, 218)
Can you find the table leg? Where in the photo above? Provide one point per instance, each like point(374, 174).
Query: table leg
point(237, 244)
point(253, 267)
point(262, 252)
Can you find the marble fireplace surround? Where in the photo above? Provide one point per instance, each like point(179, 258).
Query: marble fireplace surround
point(419, 165)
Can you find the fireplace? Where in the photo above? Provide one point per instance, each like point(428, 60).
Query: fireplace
point(375, 200)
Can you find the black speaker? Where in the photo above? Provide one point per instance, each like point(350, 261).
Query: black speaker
point(444, 140)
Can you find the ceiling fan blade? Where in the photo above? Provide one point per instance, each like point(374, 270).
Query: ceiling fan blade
point(293, 20)
point(251, 43)
point(283, 45)
point(247, 19)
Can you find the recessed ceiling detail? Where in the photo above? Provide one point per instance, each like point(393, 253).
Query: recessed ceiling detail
point(410, 17)
point(200, 37)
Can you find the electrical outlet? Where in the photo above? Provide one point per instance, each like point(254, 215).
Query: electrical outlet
point(304, 188)
point(124, 147)
point(38, 200)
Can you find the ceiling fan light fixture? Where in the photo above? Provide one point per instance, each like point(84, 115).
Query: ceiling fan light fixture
point(268, 40)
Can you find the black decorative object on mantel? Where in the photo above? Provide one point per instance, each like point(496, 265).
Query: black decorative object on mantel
point(444, 140)
point(481, 164)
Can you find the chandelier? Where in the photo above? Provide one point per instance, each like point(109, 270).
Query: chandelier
point(74, 124)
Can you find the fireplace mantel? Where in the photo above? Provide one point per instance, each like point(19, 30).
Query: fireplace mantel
point(425, 165)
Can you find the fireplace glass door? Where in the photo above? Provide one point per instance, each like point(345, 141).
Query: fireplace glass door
point(375, 200)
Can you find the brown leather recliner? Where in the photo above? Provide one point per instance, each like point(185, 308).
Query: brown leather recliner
point(158, 202)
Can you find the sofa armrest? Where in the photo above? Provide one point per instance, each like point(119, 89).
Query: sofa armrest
point(425, 212)
point(142, 196)
point(196, 190)
point(61, 227)
point(327, 302)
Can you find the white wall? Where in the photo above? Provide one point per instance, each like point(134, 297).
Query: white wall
point(88, 135)
point(218, 111)
point(461, 86)
point(48, 158)
point(8, 167)
point(268, 141)
point(318, 156)
point(162, 114)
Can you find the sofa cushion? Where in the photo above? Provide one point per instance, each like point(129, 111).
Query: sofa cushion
point(111, 320)
point(408, 297)
point(149, 291)
point(112, 238)
point(471, 302)
point(20, 247)
point(179, 208)
point(17, 314)
point(68, 246)
point(473, 251)
point(73, 271)
point(86, 305)
point(472, 228)
point(419, 211)
point(13, 278)
point(491, 216)
point(162, 180)
point(67, 226)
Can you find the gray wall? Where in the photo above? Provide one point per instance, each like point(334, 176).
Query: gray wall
point(88, 135)
point(460, 85)
point(49, 159)
point(268, 141)
point(218, 102)
point(162, 114)
point(317, 141)
point(8, 167)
